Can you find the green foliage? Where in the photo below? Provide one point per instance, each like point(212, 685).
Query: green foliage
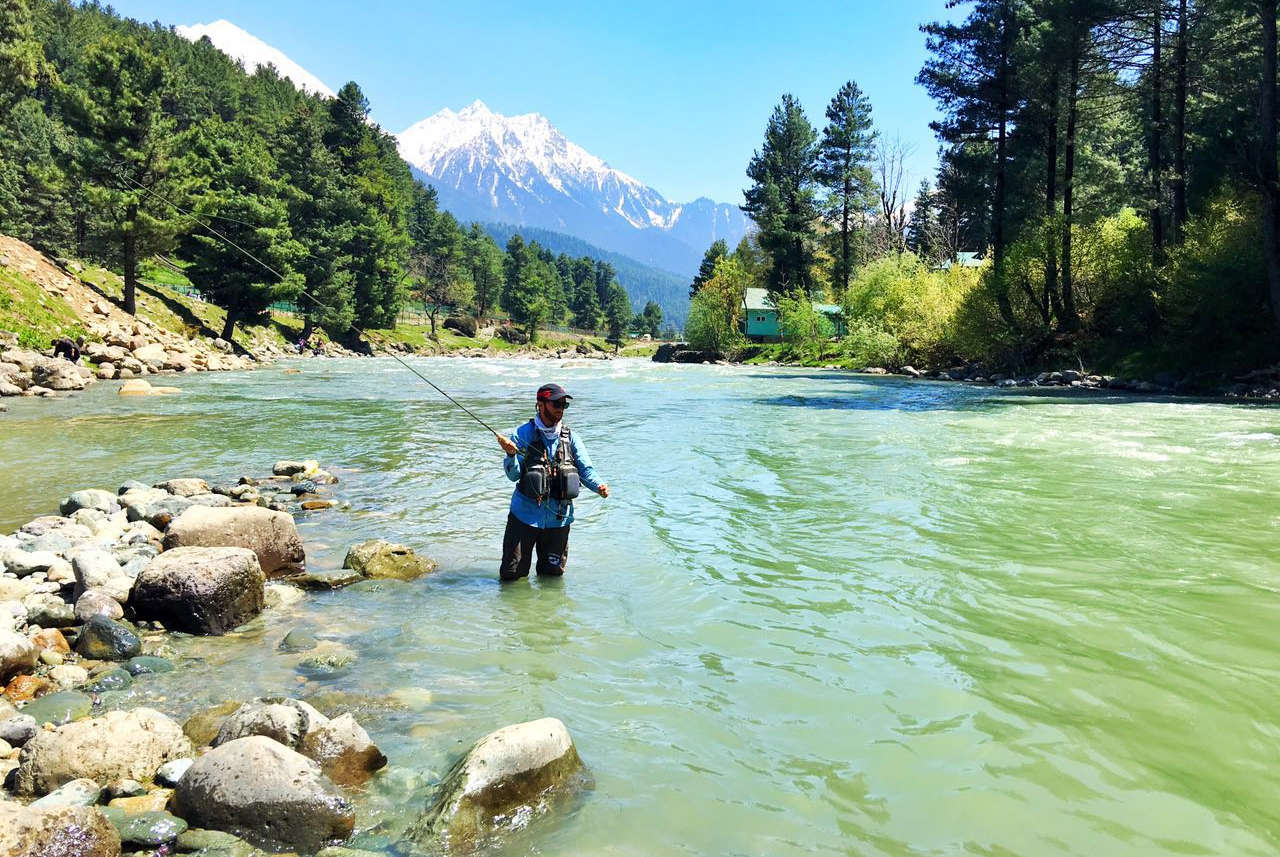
point(901, 297)
point(248, 266)
point(35, 315)
point(844, 169)
point(717, 251)
point(783, 197)
point(804, 329)
point(716, 310)
point(868, 344)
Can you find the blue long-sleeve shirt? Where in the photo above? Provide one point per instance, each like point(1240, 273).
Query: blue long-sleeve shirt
point(550, 513)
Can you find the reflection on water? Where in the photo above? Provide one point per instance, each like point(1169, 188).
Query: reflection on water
point(823, 614)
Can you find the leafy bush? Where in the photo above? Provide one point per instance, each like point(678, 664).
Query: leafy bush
point(868, 344)
point(715, 311)
point(804, 329)
point(900, 296)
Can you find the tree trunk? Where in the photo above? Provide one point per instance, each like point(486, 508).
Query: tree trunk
point(1180, 127)
point(1051, 197)
point(1157, 119)
point(308, 326)
point(1270, 172)
point(131, 259)
point(229, 327)
point(845, 253)
point(1068, 318)
point(997, 213)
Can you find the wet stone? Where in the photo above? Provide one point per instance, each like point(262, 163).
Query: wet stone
point(149, 829)
point(298, 640)
point(332, 665)
point(113, 679)
point(105, 640)
point(147, 665)
point(59, 708)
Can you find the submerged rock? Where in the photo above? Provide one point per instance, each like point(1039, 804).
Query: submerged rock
point(379, 559)
point(58, 708)
point(274, 797)
point(517, 769)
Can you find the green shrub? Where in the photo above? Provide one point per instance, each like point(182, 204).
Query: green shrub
point(715, 311)
point(804, 329)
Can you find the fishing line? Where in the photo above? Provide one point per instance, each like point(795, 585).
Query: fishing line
point(196, 218)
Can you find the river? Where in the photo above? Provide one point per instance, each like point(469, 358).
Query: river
point(822, 613)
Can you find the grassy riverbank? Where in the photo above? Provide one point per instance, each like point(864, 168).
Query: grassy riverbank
point(39, 312)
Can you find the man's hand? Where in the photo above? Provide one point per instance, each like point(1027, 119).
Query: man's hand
point(603, 490)
point(507, 446)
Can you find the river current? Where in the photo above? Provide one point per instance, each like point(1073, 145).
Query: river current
point(822, 613)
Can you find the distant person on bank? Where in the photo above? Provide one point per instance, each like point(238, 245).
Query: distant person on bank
point(67, 349)
point(548, 463)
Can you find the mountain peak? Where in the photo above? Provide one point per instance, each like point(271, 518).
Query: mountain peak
point(252, 52)
point(523, 170)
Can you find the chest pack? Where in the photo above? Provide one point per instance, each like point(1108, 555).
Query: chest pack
point(542, 476)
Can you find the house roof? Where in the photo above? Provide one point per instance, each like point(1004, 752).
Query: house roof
point(757, 300)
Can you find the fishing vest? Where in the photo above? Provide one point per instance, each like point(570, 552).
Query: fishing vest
point(542, 476)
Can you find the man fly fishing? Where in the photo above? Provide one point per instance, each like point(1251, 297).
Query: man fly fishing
point(548, 463)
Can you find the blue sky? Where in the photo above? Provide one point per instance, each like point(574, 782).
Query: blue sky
point(675, 94)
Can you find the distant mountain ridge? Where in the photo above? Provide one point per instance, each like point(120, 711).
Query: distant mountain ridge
point(522, 170)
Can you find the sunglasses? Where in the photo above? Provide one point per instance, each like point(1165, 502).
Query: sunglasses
point(562, 404)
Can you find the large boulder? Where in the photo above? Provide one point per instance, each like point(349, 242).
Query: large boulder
point(273, 536)
point(379, 559)
point(200, 590)
point(513, 773)
point(266, 793)
point(119, 745)
point(57, 375)
point(91, 498)
point(67, 831)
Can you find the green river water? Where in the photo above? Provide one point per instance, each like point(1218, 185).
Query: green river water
point(822, 614)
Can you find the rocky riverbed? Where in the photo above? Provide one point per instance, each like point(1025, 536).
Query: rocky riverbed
point(89, 600)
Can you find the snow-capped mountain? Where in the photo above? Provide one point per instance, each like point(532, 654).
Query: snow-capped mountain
point(521, 170)
point(253, 52)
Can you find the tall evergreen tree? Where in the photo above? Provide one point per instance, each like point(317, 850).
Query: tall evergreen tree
point(923, 224)
point(844, 169)
point(717, 251)
point(783, 198)
point(124, 149)
point(484, 260)
point(239, 191)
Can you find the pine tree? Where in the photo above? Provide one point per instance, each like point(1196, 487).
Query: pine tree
point(844, 169)
point(124, 155)
point(923, 224)
point(240, 191)
point(782, 198)
point(484, 260)
point(717, 251)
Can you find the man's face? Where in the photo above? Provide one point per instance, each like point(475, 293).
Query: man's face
point(551, 412)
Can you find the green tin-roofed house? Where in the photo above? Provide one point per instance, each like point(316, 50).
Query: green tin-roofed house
point(760, 316)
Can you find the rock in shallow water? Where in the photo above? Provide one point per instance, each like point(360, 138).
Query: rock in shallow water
point(379, 559)
point(273, 536)
point(149, 829)
point(521, 769)
point(273, 796)
point(119, 745)
point(64, 832)
point(105, 640)
point(201, 590)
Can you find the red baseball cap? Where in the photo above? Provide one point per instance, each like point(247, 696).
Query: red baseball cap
point(552, 393)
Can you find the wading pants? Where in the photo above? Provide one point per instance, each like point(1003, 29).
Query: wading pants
point(518, 543)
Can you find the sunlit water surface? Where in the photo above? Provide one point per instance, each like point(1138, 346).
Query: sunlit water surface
point(822, 614)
